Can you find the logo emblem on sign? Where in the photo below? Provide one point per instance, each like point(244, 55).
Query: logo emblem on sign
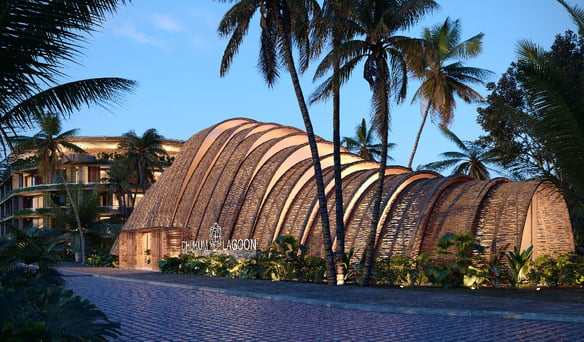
point(215, 236)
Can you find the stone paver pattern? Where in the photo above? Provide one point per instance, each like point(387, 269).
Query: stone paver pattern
point(155, 312)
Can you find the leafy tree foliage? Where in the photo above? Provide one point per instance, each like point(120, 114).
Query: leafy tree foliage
point(535, 118)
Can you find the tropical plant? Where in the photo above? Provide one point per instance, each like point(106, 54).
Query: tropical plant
point(577, 14)
point(49, 146)
point(458, 267)
point(171, 264)
point(362, 144)
point(392, 271)
point(102, 259)
point(98, 235)
point(35, 307)
point(558, 102)
point(283, 24)
point(37, 38)
point(284, 259)
point(384, 69)
point(248, 268)
point(563, 270)
point(495, 268)
point(142, 157)
point(440, 77)
point(471, 160)
point(518, 263)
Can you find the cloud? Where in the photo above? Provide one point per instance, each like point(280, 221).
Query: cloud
point(129, 31)
point(167, 23)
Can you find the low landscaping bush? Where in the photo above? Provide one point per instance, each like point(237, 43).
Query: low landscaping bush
point(102, 259)
point(565, 270)
point(460, 263)
point(283, 260)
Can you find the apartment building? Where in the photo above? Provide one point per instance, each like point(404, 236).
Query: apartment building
point(24, 198)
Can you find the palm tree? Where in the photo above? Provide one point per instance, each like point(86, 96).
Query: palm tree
point(282, 23)
point(88, 210)
point(118, 183)
point(471, 160)
point(362, 144)
point(142, 157)
point(442, 79)
point(334, 26)
point(385, 71)
point(49, 146)
point(37, 38)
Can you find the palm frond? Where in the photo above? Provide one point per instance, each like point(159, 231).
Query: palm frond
point(67, 98)
point(38, 37)
point(577, 14)
point(455, 139)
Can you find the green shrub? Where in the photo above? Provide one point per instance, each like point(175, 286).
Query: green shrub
point(518, 265)
point(102, 259)
point(248, 268)
point(217, 265)
point(50, 313)
point(313, 270)
point(169, 264)
point(283, 260)
point(400, 270)
point(565, 270)
point(457, 265)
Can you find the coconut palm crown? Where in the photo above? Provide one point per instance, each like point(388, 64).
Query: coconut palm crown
point(437, 63)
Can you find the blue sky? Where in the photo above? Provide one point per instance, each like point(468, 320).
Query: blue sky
point(172, 50)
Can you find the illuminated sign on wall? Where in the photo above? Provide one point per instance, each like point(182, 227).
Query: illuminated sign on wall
point(216, 243)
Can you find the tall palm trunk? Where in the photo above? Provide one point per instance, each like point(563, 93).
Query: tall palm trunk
point(326, 233)
point(122, 204)
point(375, 217)
point(76, 214)
point(417, 141)
point(339, 210)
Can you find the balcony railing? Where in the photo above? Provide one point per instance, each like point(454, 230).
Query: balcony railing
point(43, 188)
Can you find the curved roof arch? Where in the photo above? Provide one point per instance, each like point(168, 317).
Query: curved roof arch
point(257, 181)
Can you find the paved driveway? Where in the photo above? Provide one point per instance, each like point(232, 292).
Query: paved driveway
point(151, 312)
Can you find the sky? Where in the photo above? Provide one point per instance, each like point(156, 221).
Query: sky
point(172, 50)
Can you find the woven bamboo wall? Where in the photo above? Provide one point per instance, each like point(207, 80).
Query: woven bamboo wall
point(256, 180)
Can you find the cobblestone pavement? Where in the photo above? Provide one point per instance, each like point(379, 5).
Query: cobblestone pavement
point(151, 311)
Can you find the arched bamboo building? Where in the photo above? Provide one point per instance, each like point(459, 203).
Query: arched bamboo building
point(256, 181)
